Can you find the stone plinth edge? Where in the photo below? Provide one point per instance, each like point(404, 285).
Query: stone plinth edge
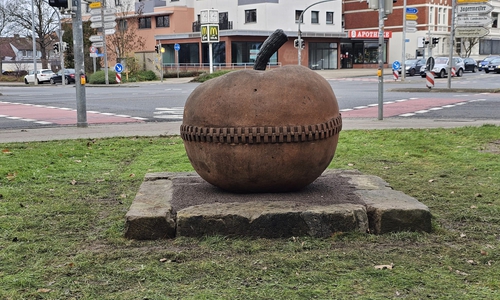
point(380, 210)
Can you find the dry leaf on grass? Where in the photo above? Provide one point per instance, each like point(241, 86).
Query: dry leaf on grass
point(43, 290)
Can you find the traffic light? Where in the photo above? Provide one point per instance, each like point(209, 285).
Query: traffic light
point(59, 3)
point(157, 48)
point(297, 43)
point(373, 4)
point(435, 41)
point(56, 48)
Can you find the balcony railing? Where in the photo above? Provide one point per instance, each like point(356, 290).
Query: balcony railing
point(222, 26)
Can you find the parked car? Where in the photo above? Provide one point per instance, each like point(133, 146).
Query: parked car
point(441, 64)
point(470, 65)
point(42, 75)
point(493, 66)
point(69, 77)
point(413, 66)
point(484, 62)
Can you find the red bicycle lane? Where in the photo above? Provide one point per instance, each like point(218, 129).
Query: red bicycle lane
point(401, 107)
point(55, 115)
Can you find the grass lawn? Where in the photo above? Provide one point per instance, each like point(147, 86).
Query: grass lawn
point(62, 208)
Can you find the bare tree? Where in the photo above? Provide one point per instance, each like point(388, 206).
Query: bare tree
point(466, 45)
point(46, 24)
point(126, 40)
point(5, 18)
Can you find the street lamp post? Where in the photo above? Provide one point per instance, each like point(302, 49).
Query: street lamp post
point(299, 33)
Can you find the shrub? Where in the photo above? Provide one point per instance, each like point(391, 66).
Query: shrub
point(146, 75)
point(100, 78)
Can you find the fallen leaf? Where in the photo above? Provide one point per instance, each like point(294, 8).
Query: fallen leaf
point(163, 259)
point(431, 180)
point(43, 290)
point(6, 151)
point(484, 252)
point(11, 176)
point(350, 165)
point(478, 195)
point(73, 182)
point(100, 180)
point(383, 267)
point(132, 175)
point(78, 161)
point(470, 261)
point(462, 235)
point(123, 195)
point(473, 207)
point(461, 273)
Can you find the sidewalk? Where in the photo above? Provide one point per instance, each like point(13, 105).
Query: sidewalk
point(172, 128)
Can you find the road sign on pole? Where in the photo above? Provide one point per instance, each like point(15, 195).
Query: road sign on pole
point(474, 8)
point(471, 32)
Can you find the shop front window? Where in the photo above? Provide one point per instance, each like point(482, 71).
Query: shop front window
point(246, 53)
point(367, 52)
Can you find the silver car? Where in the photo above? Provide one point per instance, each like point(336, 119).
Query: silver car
point(441, 64)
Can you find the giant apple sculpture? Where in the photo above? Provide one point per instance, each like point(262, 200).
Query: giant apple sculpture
point(254, 131)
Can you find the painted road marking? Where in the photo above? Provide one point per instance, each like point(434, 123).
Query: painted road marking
point(174, 113)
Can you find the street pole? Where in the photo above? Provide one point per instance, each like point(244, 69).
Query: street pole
point(106, 76)
point(452, 40)
point(299, 33)
point(34, 40)
point(380, 73)
point(403, 55)
point(81, 105)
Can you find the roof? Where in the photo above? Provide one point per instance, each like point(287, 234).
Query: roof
point(21, 43)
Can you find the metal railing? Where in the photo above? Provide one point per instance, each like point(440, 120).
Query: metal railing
point(228, 25)
point(205, 67)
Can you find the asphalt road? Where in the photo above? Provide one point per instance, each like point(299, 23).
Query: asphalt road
point(51, 106)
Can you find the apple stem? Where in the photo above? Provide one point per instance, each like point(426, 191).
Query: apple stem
point(269, 47)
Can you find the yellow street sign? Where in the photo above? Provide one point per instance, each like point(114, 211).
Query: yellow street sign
point(471, 1)
point(411, 17)
point(95, 5)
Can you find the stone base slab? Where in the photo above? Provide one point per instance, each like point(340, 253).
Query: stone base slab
point(182, 204)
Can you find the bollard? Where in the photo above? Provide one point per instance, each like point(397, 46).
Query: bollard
point(395, 74)
point(429, 79)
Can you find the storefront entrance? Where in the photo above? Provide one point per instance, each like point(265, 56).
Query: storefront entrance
point(323, 56)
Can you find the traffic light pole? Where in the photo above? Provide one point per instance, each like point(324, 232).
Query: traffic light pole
point(299, 33)
point(81, 102)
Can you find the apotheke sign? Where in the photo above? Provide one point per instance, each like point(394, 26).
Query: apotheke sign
point(368, 34)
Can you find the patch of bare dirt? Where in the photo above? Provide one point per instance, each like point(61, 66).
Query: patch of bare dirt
point(492, 147)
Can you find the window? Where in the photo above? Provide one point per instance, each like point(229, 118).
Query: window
point(145, 22)
point(297, 16)
point(246, 52)
point(163, 21)
point(122, 25)
point(314, 17)
point(118, 2)
point(251, 16)
point(329, 17)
